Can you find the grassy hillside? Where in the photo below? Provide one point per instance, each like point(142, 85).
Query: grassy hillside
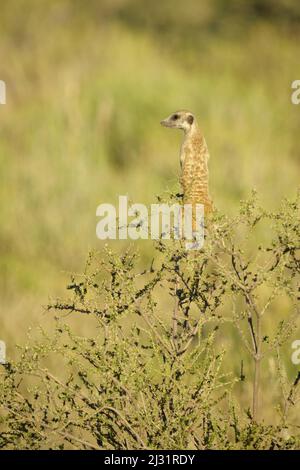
point(88, 83)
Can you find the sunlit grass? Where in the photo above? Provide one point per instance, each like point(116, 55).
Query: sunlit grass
point(81, 126)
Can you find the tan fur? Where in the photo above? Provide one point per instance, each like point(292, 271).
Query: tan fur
point(194, 161)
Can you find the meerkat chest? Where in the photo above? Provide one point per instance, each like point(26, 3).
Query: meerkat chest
point(186, 154)
point(194, 151)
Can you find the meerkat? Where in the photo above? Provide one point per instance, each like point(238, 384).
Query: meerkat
point(194, 158)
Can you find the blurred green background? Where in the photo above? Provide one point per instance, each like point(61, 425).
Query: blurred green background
point(87, 84)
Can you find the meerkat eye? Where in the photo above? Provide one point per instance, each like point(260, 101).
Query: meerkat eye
point(175, 117)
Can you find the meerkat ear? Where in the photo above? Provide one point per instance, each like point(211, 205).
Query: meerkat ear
point(190, 119)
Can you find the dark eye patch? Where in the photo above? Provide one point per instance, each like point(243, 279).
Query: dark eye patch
point(175, 117)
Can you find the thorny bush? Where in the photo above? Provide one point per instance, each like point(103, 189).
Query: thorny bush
point(155, 374)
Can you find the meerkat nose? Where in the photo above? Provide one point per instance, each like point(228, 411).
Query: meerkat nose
point(164, 122)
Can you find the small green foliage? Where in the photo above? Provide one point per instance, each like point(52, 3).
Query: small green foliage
point(155, 373)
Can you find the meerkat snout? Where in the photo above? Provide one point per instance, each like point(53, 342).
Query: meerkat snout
point(179, 120)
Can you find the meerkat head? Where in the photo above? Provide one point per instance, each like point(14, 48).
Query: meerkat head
point(180, 120)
